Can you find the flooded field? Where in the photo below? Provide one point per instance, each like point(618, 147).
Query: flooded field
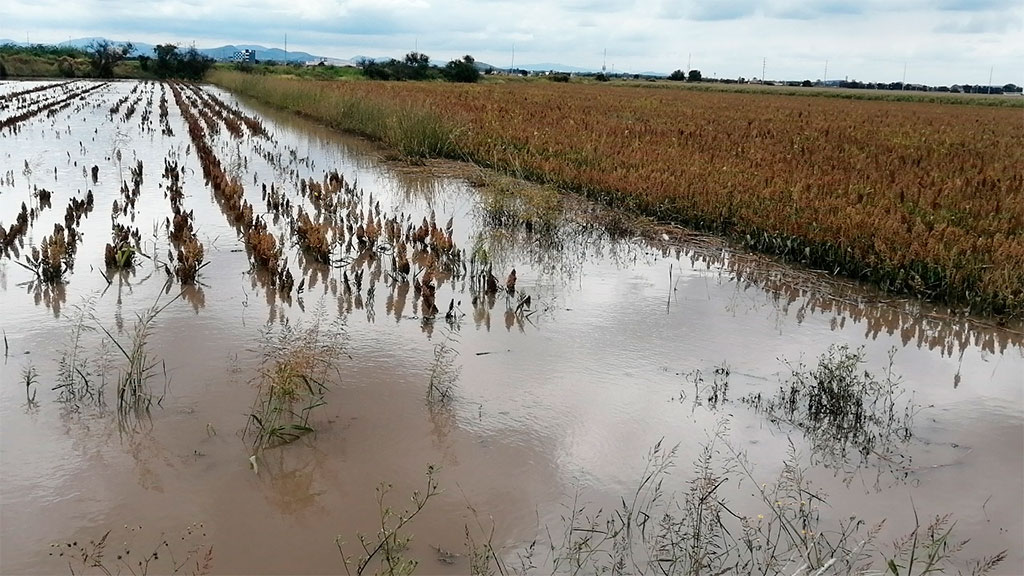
point(224, 328)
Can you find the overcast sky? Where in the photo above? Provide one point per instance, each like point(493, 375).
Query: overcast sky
point(934, 41)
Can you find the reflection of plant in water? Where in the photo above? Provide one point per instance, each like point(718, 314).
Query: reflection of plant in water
point(293, 380)
point(839, 406)
point(295, 484)
point(168, 555)
point(507, 202)
point(388, 545)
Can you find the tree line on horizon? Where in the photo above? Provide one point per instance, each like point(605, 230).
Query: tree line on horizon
point(417, 66)
point(103, 56)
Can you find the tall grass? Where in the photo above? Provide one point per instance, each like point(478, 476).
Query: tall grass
point(409, 129)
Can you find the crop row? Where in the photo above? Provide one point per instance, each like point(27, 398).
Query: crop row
point(7, 99)
point(331, 221)
point(12, 122)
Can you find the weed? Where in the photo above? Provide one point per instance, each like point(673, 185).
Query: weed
point(928, 549)
point(506, 202)
point(134, 396)
point(168, 555)
point(444, 372)
point(698, 531)
point(840, 406)
point(293, 380)
point(388, 546)
point(74, 377)
point(30, 377)
point(710, 393)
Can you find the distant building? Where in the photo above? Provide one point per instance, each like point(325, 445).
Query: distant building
point(245, 56)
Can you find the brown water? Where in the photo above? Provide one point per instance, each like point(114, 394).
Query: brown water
point(568, 398)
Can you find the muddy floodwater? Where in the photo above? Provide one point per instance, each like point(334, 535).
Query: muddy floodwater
point(613, 340)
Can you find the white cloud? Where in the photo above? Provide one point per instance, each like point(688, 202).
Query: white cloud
point(939, 41)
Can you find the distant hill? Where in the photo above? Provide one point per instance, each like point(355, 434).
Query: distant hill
point(262, 53)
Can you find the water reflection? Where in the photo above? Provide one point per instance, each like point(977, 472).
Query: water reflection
point(917, 323)
point(296, 479)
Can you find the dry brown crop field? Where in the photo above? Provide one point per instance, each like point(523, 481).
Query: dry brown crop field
point(918, 198)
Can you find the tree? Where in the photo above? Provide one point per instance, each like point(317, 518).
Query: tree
point(677, 75)
point(417, 67)
point(417, 60)
point(190, 65)
point(694, 76)
point(464, 70)
point(193, 65)
point(104, 55)
point(166, 56)
point(374, 70)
